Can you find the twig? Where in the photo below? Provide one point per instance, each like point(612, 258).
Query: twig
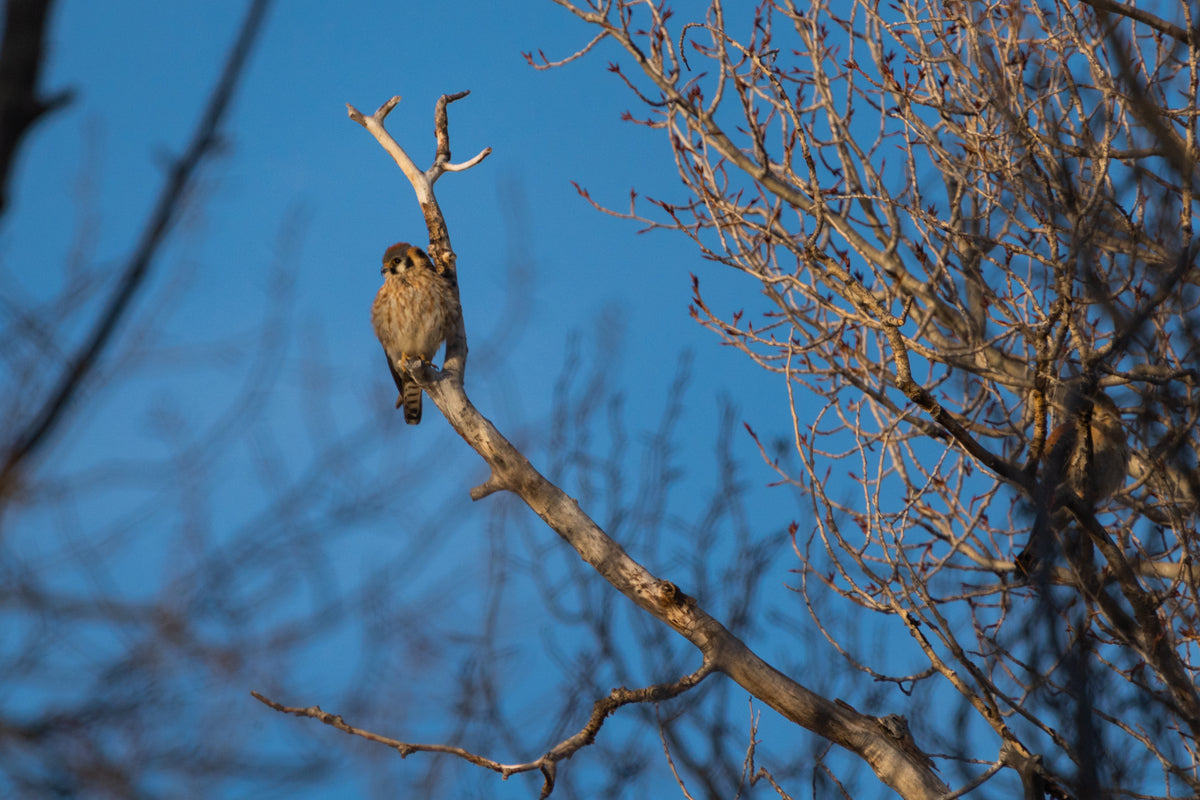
point(601, 709)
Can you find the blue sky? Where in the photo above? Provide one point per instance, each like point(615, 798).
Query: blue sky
point(302, 188)
point(292, 147)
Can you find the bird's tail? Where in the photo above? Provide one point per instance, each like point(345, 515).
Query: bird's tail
point(410, 396)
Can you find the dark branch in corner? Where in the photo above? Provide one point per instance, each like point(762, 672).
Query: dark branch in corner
point(22, 54)
point(170, 201)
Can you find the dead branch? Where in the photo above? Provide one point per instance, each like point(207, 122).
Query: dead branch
point(548, 763)
point(511, 471)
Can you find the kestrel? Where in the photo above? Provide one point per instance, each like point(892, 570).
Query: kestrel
point(415, 310)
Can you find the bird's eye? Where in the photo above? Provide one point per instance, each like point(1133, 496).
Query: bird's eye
point(396, 261)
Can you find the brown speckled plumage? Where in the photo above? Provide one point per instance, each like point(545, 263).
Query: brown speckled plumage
point(414, 311)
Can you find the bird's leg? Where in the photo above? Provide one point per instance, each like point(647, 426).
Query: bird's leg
point(425, 363)
point(417, 368)
point(406, 361)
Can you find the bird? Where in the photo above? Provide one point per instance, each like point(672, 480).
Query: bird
point(1092, 477)
point(415, 310)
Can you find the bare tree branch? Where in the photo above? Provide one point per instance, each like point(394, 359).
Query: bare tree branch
point(973, 230)
point(21, 58)
point(722, 651)
point(548, 763)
